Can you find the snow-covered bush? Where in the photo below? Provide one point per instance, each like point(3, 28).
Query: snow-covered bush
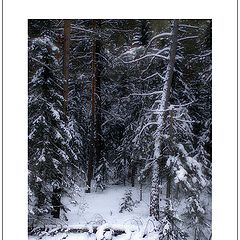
point(127, 203)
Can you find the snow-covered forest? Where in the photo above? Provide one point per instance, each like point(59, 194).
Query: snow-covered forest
point(119, 129)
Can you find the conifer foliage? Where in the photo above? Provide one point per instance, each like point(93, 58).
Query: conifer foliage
point(49, 137)
point(127, 203)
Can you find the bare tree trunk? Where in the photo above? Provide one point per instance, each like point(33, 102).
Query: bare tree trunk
point(66, 58)
point(96, 133)
point(154, 195)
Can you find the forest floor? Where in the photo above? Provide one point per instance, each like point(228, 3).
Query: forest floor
point(97, 213)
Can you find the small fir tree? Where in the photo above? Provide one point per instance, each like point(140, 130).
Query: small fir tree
point(127, 203)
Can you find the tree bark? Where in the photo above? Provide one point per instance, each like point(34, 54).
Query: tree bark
point(95, 152)
point(169, 177)
point(66, 57)
point(56, 201)
point(154, 195)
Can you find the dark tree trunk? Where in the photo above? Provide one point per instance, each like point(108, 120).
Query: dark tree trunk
point(56, 201)
point(66, 58)
point(96, 140)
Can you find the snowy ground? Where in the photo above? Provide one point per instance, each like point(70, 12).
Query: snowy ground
point(106, 205)
point(102, 209)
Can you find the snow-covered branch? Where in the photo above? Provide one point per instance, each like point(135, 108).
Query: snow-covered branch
point(153, 75)
point(159, 36)
point(147, 56)
point(43, 64)
point(144, 94)
point(188, 26)
point(186, 38)
point(145, 126)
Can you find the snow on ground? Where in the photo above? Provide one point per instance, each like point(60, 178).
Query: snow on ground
point(101, 208)
point(105, 204)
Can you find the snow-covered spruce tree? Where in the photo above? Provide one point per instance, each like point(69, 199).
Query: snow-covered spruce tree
point(48, 139)
point(127, 203)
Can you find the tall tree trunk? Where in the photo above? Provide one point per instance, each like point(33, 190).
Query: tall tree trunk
point(66, 57)
point(95, 151)
point(154, 195)
point(169, 177)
